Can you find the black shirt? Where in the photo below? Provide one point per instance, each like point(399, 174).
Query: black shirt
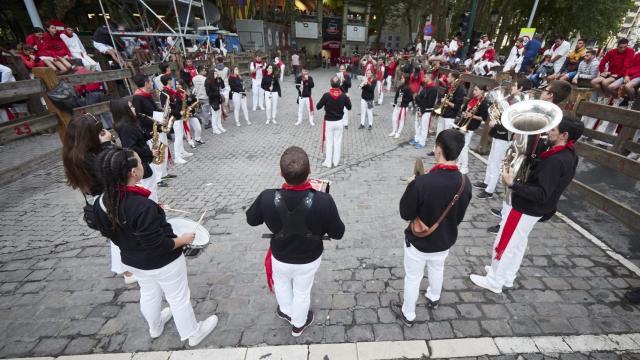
point(145, 106)
point(146, 241)
point(334, 105)
point(549, 178)
point(406, 96)
point(457, 99)
point(214, 92)
point(133, 137)
point(499, 132)
point(102, 36)
point(427, 197)
point(304, 86)
point(482, 111)
point(268, 81)
point(322, 218)
point(346, 83)
point(426, 99)
point(367, 92)
point(236, 85)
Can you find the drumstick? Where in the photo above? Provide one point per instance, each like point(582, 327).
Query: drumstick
point(176, 210)
point(199, 221)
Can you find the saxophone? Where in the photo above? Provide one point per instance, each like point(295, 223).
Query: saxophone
point(467, 121)
point(446, 98)
point(155, 144)
point(186, 114)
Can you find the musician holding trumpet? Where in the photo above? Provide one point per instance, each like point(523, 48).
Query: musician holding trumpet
point(475, 112)
point(304, 85)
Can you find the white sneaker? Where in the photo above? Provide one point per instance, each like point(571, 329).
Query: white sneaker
point(261, 108)
point(204, 329)
point(490, 273)
point(238, 124)
point(192, 143)
point(484, 282)
point(131, 279)
point(165, 316)
point(326, 165)
point(254, 109)
point(274, 121)
point(267, 121)
point(248, 122)
point(187, 154)
point(180, 161)
point(397, 135)
point(298, 123)
point(312, 123)
point(223, 130)
point(216, 132)
point(392, 134)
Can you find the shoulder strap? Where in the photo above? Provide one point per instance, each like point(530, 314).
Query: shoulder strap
point(453, 202)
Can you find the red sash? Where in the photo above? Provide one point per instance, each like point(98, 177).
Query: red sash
point(507, 232)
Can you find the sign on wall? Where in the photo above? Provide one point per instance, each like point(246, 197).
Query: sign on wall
point(356, 33)
point(306, 30)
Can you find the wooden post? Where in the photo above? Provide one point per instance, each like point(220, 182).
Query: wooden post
point(50, 80)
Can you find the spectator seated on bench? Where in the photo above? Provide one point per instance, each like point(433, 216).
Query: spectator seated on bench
point(77, 50)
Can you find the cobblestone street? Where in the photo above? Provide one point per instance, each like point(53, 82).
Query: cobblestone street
point(58, 296)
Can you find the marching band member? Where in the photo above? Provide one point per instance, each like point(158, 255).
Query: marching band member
point(214, 87)
point(453, 103)
point(475, 112)
point(298, 216)
point(425, 101)
point(195, 129)
point(366, 99)
point(223, 73)
point(257, 69)
point(271, 87)
point(239, 96)
point(435, 203)
point(200, 92)
point(400, 110)
point(280, 65)
point(149, 248)
point(175, 99)
point(391, 72)
point(304, 84)
point(345, 85)
point(534, 200)
point(334, 102)
point(499, 145)
point(380, 80)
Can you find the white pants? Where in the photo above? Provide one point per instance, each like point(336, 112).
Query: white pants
point(388, 80)
point(414, 263)
point(463, 159)
point(116, 261)
point(87, 61)
point(292, 285)
point(6, 74)
point(304, 105)
point(496, 155)
point(170, 281)
point(345, 116)
point(205, 111)
point(480, 67)
point(195, 128)
point(444, 124)
point(258, 93)
point(240, 103)
point(421, 127)
point(397, 119)
point(333, 134)
point(379, 86)
point(271, 102)
point(504, 271)
point(365, 112)
point(216, 120)
point(178, 140)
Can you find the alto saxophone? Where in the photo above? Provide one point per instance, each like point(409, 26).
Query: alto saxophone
point(467, 121)
point(155, 144)
point(446, 98)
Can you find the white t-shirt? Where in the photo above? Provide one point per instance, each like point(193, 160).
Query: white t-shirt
point(453, 46)
point(562, 51)
point(74, 44)
point(295, 60)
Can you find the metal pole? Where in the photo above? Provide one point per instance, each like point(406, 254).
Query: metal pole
point(157, 16)
point(533, 13)
point(186, 22)
point(113, 42)
point(33, 13)
point(175, 8)
point(472, 20)
point(206, 29)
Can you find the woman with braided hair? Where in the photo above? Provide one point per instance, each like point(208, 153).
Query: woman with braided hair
point(83, 140)
point(149, 248)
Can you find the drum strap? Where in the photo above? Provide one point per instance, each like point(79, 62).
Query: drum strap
point(294, 221)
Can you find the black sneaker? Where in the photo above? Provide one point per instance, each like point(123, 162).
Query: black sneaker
point(633, 296)
point(370, 127)
point(496, 212)
point(360, 126)
point(431, 153)
point(397, 310)
point(169, 176)
point(295, 332)
point(200, 142)
point(282, 315)
point(484, 195)
point(163, 184)
point(432, 304)
point(624, 102)
point(346, 127)
point(494, 230)
point(479, 185)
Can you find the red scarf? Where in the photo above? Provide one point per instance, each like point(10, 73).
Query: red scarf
point(437, 167)
point(268, 266)
point(143, 93)
point(255, 67)
point(472, 103)
point(133, 189)
point(172, 93)
point(556, 149)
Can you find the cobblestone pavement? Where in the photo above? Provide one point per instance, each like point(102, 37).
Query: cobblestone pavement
point(57, 295)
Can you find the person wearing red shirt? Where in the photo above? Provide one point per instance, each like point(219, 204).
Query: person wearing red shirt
point(380, 80)
point(632, 77)
point(56, 48)
point(26, 54)
point(617, 61)
point(35, 42)
point(483, 68)
point(391, 72)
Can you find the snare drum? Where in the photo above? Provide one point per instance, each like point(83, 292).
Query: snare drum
point(181, 226)
point(320, 185)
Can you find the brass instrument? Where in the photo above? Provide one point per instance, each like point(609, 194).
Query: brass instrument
point(156, 145)
point(465, 122)
point(446, 98)
point(186, 113)
point(528, 120)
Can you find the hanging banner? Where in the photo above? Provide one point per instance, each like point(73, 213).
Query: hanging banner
point(306, 30)
point(356, 33)
point(527, 34)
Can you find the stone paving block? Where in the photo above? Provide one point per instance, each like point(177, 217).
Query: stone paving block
point(206, 354)
point(496, 328)
point(365, 316)
point(153, 355)
point(48, 346)
point(360, 333)
point(452, 348)
point(277, 352)
point(387, 332)
point(392, 350)
point(440, 330)
point(466, 328)
point(334, 334)
point(515, 345)
point(333, 351)
point(551, 344)
point(343, 301)
point(123, 356)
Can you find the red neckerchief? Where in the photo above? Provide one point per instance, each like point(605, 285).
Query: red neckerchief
point(335, 93)
point(134, 189)
point(556, 149)
point(141, 92)
point(170, 91)
point(181, 94)
point(520, 46)
point(429, 85)
point(304, 186)
point(437, 167)
point(472, 103)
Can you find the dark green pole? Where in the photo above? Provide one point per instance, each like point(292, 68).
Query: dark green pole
point(472, 20)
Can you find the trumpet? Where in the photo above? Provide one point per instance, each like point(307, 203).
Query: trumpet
point(465, 122)
point(446, 98)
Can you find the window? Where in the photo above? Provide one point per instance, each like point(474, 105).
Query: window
point(390, 38)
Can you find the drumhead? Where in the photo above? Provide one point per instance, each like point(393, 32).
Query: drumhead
point(182, 225)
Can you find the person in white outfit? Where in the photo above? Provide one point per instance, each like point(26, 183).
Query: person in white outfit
point(257, 69)
point(223, 73)
point(451, 104)
point(425, 101)
point(475, 112)
point(367, 86)
point(515, 58)
point(77, 50)
point(304, 85)
point(380, 72)
point(400, 108)
point(200, 92)
point(299, 218)
point(345, 85)
point(435, 203)
point(280, 65)
point(195, 129)
point(334, 102)
point(148, 246)
point(175, 98)
point(239, 96)
point(214, 87)
point(271, 87)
